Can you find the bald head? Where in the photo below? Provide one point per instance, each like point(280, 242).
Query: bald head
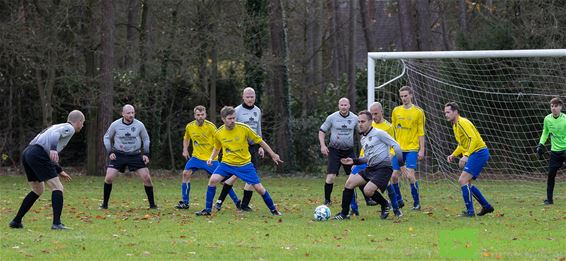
point(376, 111)
point(77, 119)
point(344, 106)
point(249, 96)
point(128, 113)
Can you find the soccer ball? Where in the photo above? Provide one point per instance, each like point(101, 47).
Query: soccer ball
point(322, 213)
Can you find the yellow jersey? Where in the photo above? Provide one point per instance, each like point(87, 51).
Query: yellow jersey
point(202, 138)
point(234, 143)
point(409, 125)
point(468, 137)
point(385, 126)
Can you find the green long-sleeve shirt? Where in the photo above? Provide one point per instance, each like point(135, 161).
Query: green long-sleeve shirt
point(556, 129)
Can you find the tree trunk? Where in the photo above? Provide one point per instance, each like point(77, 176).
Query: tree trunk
point(282, 137)
point(366, 25)
point(424, 26)
point(133, 9)
point(106, 97)
point(462, 16)
point(352, 57)
point(255, 40)
point(142, 38)
point(407, 24)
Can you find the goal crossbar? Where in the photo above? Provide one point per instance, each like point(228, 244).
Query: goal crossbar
point(373, 56)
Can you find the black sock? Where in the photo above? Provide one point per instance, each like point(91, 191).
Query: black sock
point(225, 190)
point(550, 184)
point(247, 197)
point(107, 190)
point(57, 204)
point(328, 191)
point(377, 197)
point(347, 195)
point(27, 203)
point(149, 192)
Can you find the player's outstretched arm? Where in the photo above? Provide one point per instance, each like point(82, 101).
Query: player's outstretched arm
point(274, 156)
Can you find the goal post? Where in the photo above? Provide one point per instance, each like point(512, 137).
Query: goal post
point(505, 93)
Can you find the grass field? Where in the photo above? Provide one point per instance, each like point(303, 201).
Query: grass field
point(521, 228)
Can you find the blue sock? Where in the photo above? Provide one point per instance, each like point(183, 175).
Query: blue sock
point(415, 193)
point(354, 203)
point(466, 194)
point(210, 192)
point(397, 191)
point(268, 201)
point(186, 190)
point(392, 197)
point(233, 196)
point(479, 197)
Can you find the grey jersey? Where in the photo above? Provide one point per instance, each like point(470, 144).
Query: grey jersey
point(55, 137)
point(126, 138)
point(250, 117)
point(341, 129)
point(376, 144)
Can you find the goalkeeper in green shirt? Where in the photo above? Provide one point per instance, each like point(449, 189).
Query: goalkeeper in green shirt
point(555, 128)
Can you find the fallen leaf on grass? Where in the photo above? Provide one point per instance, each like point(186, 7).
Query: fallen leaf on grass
point(486, 254)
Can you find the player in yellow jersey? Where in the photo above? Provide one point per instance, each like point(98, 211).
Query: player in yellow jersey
point(201, 133)
point(232, 138)
point(409, 124)
point(474, 157)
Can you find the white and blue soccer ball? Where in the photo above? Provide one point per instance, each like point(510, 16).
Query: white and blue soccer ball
point(322, 213)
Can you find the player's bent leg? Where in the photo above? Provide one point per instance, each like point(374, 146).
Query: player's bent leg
point(372, 190)
point(464, 182)
point(395, 185)
point(328, 186)
point(210, 192)
point(111, 173)
point(143, 173)
point(56, 202)
point(352, 182)
point(37, 189)
point(267, 199)
point(185, 189)
point(248, 192)
point(227, 187)
point(414, 188)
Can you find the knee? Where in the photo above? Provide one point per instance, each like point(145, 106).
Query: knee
point(259, 188)
point(187, 175)
point(463, 181)
point(368, 192)
point(330, 178)
point(38, 191)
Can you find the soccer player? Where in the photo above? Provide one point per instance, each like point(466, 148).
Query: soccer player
point(379, 122)
point(123, 141)
point(342, 126)
point(41, 163)
point(249, 114)
point(233, 138)
point(408, 120)
point(474, 157)
point(201, 133)
point(376, 144)
point(554, 127)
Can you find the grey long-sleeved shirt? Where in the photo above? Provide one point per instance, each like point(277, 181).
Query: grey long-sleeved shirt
point(55, 137)
point(126, 138)
point(376, 144)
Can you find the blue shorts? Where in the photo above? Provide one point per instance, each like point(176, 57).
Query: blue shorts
point(246, 172)
point(476, 162)
point(195, 164)
point(357, 168)
point(410, 158)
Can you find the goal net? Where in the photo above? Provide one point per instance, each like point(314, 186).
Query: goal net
point(505, 94)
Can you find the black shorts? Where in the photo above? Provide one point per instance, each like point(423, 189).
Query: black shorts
point(133, 162)
point(557, 158)
point(37, 164)
point(334, 156)
point(379, 175)
point(254, 151)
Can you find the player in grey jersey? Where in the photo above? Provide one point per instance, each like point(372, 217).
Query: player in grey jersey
point(41, 163)
point(123, 141)
point(342, 126)
point(376, 144)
